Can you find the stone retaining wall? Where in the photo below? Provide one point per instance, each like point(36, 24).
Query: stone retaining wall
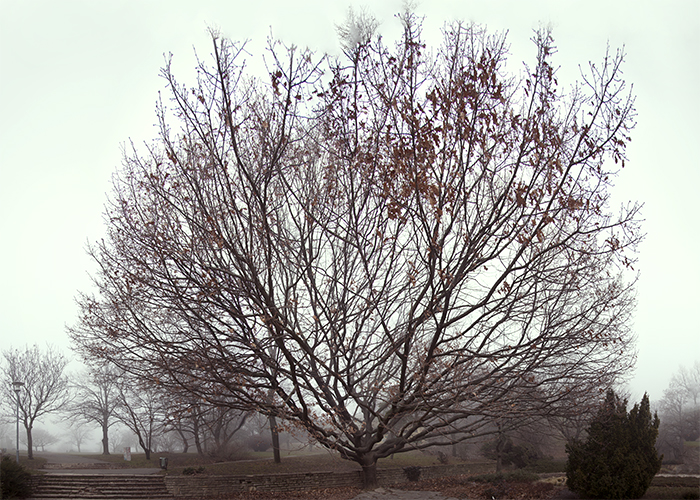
point(204, 486)
point(87, 465)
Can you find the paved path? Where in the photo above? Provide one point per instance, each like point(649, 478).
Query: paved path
point(389, 494)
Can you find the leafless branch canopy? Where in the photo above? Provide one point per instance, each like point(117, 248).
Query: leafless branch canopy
point(395, 249)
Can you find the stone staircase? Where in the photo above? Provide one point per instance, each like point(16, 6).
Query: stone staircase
point(100, 487)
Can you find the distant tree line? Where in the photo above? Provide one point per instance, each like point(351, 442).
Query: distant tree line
point(161, 420)
point(106, 397)
point(679, 409)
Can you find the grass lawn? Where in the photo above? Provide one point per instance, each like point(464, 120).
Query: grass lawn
point(138, 460)
point(544, 465)
point(262, 462)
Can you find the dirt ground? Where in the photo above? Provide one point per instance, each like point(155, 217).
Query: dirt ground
point(448, 488)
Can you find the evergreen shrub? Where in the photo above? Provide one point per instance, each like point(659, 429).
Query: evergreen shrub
point(412, 472)
point(191, 471)
point(15, 479)
point(619, 458)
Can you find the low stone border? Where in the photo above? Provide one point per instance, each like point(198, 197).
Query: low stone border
point(217, 486)
point(88, 465)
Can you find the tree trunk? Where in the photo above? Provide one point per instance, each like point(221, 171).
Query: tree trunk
point(185, 442)
point(275, 440)
point(30, 451)
point(369, 472)
point(500, 444)
point(105, 439)
point(499, 454)
point(197, 443)
point(146, 449)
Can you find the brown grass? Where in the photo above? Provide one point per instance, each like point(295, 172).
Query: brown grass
point(262, 462)
point(673, 487)
point(35, 463)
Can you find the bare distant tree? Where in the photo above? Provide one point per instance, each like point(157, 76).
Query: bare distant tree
point(583, 407)
point(680, 412)
point(167, 442)
point(78, 432)
point(96, 396)
point(390, 256)
point(182, 416)
point(673, 427)
point(123, 438)
point(41, 438)
point(211, 427)
point(222, 424)
point(141, 410)
point(7, 436)
point(45, 388)
point(687, 380)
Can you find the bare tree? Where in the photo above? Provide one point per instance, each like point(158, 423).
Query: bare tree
point(687, 380)
point(121, 439)
point(7, 437)
point(167, 442)
point(41, 438)
point(572, 426)
point(211, 427)
point(96, 398)
point(140, 409)
point(78, 433)
point(183, 416)
point(222, 424)
point(680, 413)
point(45, 388)
point(399, 252)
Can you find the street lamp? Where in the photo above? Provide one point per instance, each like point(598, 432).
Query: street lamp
point(18, 386)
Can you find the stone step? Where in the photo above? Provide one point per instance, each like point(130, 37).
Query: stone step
point(107, 478)
point(96, 487)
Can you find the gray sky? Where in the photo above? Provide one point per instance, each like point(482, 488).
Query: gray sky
point(80, 78)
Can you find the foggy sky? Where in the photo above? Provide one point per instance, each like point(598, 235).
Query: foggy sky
point(78, 79)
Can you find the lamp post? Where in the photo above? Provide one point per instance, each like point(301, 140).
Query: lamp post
point(18, 386)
